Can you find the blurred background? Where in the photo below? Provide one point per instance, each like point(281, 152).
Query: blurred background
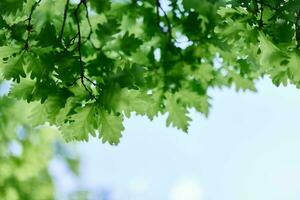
point(248, 148)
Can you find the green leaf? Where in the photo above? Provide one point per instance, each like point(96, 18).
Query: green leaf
point(129, 43)
point(47, 111)
point(194, 100)
point(110, 128)
point(177, 114)
point(13, 68)
point(156, 106)
point(81, 124)
point(100, 5)
point(243, 83)
point(47, 36)
point(270, 54)
point(294, 66)
point(204, 73)
point(23, 90)
point(7, 51)
point(34, 67)
point(196, 5)
point(65, 113)
point(106, 31)
point(128, 24)
point(38, 114)
point(279, 75)
point(11, 6)
point(140, 58)
point(133, 101)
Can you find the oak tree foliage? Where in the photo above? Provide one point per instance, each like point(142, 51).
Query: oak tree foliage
point(88, 64)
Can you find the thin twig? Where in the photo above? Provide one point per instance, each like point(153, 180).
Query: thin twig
point(157, 13)
point(260, 22)
point(90, 26)
point(89, 80)
point(79, 78)
point(159, 7)
point(71, 84)
point(82, 77)
point(64, 20)
point(297, 24)
point(88, 19)
point(29, 25)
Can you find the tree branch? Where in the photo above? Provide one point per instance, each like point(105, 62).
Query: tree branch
point(82, 76)
point(29, 25)
point(157, 13)
point(88, 19)
point(64, 20)
point(158, 7)
point(297, 24)
point(90, 26)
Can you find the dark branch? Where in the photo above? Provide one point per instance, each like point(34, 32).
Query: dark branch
point(90, 26)
point(29, 25)
point(88, 19)
point(71, 84)
point(260, 22)
point(89, 80)
point(82, 76)
point(157, 13)
point(64, 20)
point(297, 24)
point(158, 7)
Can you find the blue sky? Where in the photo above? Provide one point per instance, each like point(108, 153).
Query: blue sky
point(247, 149)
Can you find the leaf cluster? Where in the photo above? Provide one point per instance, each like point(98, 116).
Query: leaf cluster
point(88, 65)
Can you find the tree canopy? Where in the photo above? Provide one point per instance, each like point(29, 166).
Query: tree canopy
point(86, 65)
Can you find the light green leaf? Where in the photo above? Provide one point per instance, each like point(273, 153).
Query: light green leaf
point(7, 51)
point(13, 68)
point(194, 100)
point(177, 113)
point(23, 90)
point(47, 111)
point(243, 83)
point(294, 66)
point(129, 100)
point(203, 73)
point(110, 128)
point(38, 114)
point(81, 124)
point(270, 54)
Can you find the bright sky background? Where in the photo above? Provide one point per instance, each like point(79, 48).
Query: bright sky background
point(247, 149)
